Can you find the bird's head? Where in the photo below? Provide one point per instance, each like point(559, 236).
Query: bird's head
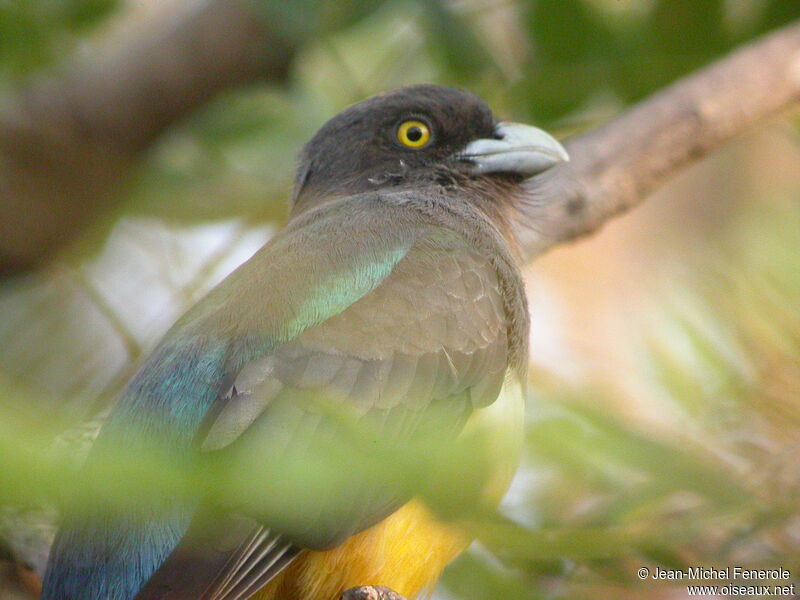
point(419, 135)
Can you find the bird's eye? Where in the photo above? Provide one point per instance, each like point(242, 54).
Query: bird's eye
point(413, 134)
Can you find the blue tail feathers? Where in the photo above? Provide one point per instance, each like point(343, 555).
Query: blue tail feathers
point(110, 554)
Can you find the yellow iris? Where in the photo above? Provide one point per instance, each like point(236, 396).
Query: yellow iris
point(414, 134)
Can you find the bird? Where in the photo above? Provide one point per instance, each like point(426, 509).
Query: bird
point(392, 301)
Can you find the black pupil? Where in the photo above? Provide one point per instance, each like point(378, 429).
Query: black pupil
point(414, 133)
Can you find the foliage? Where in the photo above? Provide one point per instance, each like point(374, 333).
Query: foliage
point(35, 32)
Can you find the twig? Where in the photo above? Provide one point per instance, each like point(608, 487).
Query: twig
point(614, 167)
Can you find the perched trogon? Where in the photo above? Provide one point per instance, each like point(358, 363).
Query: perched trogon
point(392, 301)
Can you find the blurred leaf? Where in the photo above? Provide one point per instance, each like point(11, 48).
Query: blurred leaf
point(571, 49)
point(303, 19)
point(584, 48)
point(475, 578)
point(687, 29)
point(777, 13)
point(35, 32)
point(456, 46)
point(604, 445)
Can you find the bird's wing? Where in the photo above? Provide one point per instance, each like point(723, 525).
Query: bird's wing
point(409, 359)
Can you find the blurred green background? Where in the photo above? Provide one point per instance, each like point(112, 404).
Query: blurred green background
point(664, 412)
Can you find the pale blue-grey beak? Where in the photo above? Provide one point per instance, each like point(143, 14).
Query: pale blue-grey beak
point(518, 148)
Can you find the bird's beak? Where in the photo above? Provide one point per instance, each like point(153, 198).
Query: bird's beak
point(518, 148)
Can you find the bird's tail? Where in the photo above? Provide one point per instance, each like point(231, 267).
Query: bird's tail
point(221, 557)
point(109, 557)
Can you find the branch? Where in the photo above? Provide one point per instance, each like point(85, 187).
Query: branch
point(370, 592)
point(67, 143)
point(614, 168)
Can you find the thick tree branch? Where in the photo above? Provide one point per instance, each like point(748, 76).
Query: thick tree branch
point(67, 142)
point(614, 168)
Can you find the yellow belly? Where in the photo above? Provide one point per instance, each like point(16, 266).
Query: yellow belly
point(408, 550)
point(405, 552)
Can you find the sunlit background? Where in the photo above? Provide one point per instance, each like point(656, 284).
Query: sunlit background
point(664, 412)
